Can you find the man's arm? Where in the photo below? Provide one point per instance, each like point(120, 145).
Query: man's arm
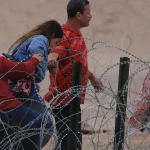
point(91, 76)
point(53, 56)
point(57, 53)
point(96, 82)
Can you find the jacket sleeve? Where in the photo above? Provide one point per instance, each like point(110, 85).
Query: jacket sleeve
point(18, 70)
point(40, 44)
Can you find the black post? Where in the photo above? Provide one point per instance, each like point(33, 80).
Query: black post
point(74, 108)
point(121, 104)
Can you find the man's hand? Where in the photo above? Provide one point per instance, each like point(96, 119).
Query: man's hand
point(96, 82)
point(98, 86)
point(53, 67)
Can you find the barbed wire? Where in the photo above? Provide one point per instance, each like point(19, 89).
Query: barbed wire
point(99, 110)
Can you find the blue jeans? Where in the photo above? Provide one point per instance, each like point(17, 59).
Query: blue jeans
point(24, 129)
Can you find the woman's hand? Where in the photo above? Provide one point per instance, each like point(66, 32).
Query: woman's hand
point(38, 56)
point(53, 67)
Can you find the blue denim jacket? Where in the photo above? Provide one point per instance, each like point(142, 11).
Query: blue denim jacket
point(36, 44)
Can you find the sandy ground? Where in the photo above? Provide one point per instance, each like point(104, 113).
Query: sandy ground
point(120, 23)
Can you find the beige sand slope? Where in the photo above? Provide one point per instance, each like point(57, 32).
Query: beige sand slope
point(122, 23)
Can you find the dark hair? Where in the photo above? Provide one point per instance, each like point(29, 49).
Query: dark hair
point(75, 6)
point(47, 29)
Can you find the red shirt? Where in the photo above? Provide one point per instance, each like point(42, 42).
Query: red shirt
point(12, 70)
point(71, 49)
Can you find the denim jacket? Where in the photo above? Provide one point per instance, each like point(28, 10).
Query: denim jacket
point(36, 44)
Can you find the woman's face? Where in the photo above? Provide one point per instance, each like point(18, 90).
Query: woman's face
point(54, 42)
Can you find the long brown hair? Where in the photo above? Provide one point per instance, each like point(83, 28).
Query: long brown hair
point(47, 29)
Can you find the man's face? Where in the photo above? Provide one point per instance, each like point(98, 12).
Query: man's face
point(86, 16)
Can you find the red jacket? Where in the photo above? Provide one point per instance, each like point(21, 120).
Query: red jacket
point(12, 70)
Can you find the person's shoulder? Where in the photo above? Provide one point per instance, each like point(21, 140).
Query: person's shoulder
point(2, 58)
point(66, 32)
point(1, 63)
point(39, 37)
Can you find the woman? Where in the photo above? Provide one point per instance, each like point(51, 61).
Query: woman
point(141, 114)
point(38, 40)
point(19, 123)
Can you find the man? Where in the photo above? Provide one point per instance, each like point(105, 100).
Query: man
point(71, 49)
